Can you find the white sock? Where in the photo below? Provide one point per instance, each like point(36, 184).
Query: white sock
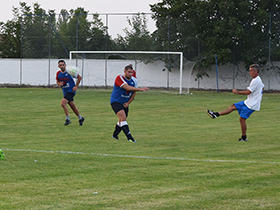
point(123, 123)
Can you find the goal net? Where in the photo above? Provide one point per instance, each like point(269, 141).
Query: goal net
point(153, 69)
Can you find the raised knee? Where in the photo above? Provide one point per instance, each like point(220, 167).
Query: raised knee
point(233, 107)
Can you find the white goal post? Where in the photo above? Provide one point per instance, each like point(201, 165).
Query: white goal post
point(136, 52)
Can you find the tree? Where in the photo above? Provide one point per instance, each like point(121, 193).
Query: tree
point(34, 31)
point(99, 39)
point(235, 30)
point(175, 31)
point(10, 37)
point(137, 37)
point(78, 32)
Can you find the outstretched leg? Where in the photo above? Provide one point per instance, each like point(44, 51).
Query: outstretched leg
point(214, 115)
point(228, 110)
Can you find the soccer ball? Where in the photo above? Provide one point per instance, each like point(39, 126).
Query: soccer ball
point(2, 155)
point(72, 70)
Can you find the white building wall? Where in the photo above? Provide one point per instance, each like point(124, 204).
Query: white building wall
point(39, 72)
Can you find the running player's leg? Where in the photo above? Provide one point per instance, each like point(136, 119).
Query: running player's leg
point(74, 108)
point(122, 113)
point(117, 131)
point(64, 102)
point(123, 123)
point(116, 108)
point(70, 98)
point(76, 111)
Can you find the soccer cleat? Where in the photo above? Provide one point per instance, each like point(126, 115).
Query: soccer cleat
point(132, 140)
point(241, 139)
point(81, 121)
point(67, 122)
point(115, 137)
point(211, 114)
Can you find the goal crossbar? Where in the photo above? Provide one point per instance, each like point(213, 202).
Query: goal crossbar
point(138, 52)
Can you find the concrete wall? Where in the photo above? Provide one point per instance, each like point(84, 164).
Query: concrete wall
point(39, 72)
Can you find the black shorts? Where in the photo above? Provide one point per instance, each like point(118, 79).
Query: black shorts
point(69, 96)
point(118, 107)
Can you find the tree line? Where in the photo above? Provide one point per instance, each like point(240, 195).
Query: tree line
point(236, 30)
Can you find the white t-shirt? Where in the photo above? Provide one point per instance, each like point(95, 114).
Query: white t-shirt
point(254, 99)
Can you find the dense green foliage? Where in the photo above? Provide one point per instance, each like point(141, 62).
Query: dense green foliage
point(43, 34)
point(236, 30)
point(182, 160)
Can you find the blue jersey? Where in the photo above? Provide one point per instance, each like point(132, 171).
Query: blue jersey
point(68, 81)
point(119, 94)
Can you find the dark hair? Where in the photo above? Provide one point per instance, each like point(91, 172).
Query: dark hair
point(256, 67)
point(128, 67)
point(60, 61)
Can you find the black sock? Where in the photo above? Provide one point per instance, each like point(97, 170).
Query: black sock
point(244, 137)
point(217, 114)
point(126, 131)
point(118, 129)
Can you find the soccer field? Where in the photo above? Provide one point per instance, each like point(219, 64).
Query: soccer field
point(182, 158)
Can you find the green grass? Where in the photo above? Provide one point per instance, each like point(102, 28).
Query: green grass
point(182, 160)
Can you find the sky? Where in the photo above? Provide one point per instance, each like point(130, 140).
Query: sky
point(116, 23)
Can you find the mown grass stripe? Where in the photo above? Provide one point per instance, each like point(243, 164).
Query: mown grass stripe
point(142, 157)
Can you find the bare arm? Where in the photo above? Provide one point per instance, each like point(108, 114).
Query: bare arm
point(130, 100)
point(59, 83)
point(243, 92)
point(130, 88)
point(77, 83)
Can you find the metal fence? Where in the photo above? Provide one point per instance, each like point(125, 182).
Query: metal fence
point(54, 35)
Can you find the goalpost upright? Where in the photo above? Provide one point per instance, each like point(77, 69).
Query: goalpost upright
point(136, 52)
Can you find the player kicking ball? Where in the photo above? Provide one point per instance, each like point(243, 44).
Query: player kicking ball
point(68, 86)
point(123, 93)
point(252, 103)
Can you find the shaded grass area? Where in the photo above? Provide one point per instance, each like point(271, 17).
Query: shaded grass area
point(165, 125)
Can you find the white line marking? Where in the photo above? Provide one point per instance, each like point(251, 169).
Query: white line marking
point(141, 157)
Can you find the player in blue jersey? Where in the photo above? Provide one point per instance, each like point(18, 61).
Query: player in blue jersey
point(68, 86)
point(123, 93)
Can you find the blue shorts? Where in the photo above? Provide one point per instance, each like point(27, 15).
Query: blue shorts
point(243, 110)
